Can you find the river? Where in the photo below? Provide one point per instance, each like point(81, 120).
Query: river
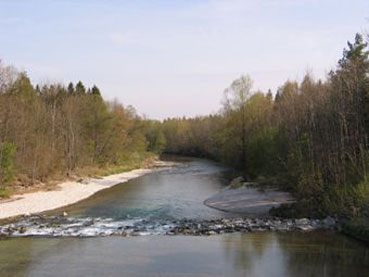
point(169, 195)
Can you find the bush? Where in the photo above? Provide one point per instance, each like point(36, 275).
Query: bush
point(5, 192)
point(358, 228)
point(7, 155)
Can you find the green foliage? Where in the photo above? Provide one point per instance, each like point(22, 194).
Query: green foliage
point(95, 90)
point(312, 138)
point(263, 152)
point(362, 197)
point(80, 88)
point(155, 137)
point(5, 192)
point(23, 89)
point(131, 162)
point(97, 123)
point(64, 130)
point(70, 88)
point(357, 228)
point(7, 155)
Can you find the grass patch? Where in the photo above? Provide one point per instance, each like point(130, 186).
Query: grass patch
point(5, 192)
point(130, 163)
point(118, 170)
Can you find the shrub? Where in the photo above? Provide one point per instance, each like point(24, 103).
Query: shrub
point(7, 155)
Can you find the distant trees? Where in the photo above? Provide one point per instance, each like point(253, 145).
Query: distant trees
point(312, 137)
point(191, 136)
point(155, 136)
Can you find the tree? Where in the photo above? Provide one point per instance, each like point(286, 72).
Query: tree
point(56, 129)
point(95, 90)
point(8, 75)
point(235, 99)
point(80, 88)
point(70, 88)
point(23, 88)
point(155, 136)
point(97, 124)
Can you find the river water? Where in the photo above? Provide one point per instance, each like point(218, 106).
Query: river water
point(169, 195)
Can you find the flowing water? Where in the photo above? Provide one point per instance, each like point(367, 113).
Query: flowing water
point(166, 196)
point(175, 193)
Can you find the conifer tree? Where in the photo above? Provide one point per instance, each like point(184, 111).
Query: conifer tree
point(80, 88)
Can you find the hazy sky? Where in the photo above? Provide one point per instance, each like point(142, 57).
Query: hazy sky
point(175, 58)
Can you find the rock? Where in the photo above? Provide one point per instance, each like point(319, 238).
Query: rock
point(302, 221)
point(237, 182)
point(304, 228)
point(69, 226)
point(315, 223)
point(22, 230)
point(83, 181)
point(329, 221)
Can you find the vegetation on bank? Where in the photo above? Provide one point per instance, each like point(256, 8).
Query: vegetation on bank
point(357, 228)
point(52, 131)
point(311, 137)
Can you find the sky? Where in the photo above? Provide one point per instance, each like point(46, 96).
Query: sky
point(172, 58)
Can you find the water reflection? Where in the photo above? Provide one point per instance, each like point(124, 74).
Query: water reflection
point(297, 254)
point(244, 251)
point(345, 257)
point(259, 254)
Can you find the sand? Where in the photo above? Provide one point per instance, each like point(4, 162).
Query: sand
point(249, 200)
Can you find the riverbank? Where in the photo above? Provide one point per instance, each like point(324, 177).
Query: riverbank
point(68, 193)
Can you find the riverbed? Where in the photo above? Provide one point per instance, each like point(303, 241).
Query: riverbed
point(168, 196)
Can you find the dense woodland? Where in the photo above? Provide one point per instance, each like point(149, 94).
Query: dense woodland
point(311, 137)
point(53, 130)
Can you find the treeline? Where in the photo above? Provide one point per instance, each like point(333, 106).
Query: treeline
point(56, 130)
point(311, 137)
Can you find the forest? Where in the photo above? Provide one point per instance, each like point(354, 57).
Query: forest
point(310, 137)
point(53, 131)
